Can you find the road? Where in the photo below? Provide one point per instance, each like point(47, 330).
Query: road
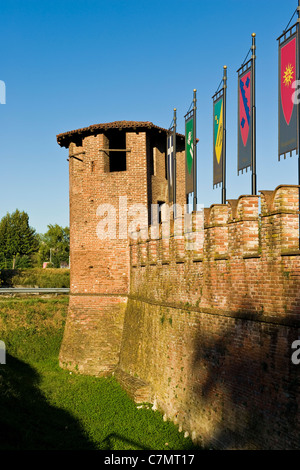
point(38, 290)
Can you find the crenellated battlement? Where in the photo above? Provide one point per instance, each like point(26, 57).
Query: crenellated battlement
point(236, 254)
point(234, 229)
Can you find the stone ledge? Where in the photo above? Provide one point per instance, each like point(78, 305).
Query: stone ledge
point(138, 390)
point(290, 253)
point(290, 320)
point(221, 257)
point(251, 255)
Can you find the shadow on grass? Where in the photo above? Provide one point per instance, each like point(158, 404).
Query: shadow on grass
point(27, 421)
point(111, 440)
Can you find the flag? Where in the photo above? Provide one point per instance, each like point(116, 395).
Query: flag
point(245, 76)
point(288, 109)
point(170, 164)
point(218, 136)
point(189, 151)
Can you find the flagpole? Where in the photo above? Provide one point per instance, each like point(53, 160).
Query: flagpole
point(195, 154)
point(254, 184)
point(298, 137)
point(224, 138)
point(174, 163)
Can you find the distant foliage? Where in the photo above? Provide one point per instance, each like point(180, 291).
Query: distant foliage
point(21, 247)
point(54, 246)
point(18, 241)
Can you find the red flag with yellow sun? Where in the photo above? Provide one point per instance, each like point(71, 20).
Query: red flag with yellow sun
point(288, 76)
point(288, 121)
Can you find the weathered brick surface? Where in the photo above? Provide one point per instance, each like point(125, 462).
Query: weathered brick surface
point(136, 388)
point(93, 334)
point(228, 381)
point(199, 321)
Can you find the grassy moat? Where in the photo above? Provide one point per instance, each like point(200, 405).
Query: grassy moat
point(43, 407)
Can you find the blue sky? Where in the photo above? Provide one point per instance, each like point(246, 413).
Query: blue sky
point(72, 63)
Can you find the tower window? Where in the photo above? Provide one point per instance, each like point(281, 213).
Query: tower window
point(117, 157)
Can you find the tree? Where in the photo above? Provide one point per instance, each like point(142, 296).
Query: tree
point(17, 238)
point(55, 245)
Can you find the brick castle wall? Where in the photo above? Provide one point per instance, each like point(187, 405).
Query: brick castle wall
point(211, 329)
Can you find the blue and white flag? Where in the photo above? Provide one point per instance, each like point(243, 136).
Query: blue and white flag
point(170, 165)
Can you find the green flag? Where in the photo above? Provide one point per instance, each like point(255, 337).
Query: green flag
point(189, 152)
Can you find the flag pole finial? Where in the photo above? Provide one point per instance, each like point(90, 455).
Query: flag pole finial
point(253, 35)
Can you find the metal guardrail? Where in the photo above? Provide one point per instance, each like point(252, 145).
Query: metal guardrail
point(36, 290)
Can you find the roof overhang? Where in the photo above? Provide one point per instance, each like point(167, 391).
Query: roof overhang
point(66, 138)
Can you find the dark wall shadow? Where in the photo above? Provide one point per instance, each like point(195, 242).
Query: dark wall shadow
point(27, 421)
point(245, 379)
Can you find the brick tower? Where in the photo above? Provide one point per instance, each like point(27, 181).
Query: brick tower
point(112, 167)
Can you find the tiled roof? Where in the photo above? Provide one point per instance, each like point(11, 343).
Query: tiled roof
point(65, 138)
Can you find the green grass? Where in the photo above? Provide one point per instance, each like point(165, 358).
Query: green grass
point(45, 407)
